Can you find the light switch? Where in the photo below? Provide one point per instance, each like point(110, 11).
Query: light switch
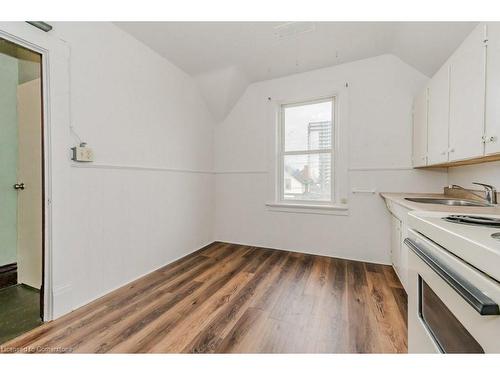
point(82, 153)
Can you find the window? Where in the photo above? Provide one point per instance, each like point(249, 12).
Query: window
point(306, 152)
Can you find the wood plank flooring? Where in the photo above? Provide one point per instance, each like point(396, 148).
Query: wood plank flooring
point(229, 298)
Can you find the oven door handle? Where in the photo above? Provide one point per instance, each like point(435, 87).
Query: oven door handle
point(483, 304)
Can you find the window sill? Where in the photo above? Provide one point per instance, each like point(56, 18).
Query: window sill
point(308, 208)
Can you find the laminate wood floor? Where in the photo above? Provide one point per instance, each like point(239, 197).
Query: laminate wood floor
point(229, 298)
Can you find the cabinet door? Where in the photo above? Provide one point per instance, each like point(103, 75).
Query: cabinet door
point(420, 129)
point(396, 244)
point(403, 257)
point(467, 97)
point(438, 117)
point(492, 132)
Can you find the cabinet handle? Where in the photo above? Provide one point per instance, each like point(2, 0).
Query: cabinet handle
point(479, 301)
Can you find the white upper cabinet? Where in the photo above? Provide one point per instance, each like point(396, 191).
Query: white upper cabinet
point(492, 131)
point(467, 97)
point(463, 104)
point(438, 116)
point(420, 129)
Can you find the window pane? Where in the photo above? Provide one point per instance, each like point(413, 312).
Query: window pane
point(307, 177)
point(308, 126)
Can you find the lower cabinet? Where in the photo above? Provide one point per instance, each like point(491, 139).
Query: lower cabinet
point(396, 244)
point(403, 266)
point(399, 251)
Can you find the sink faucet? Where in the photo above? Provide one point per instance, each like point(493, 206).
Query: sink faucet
point(490, 192)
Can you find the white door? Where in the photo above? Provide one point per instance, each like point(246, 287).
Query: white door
point(29, 172)
point(492, 131)
point(438, 117)
point(420, 129)
point(467, 93)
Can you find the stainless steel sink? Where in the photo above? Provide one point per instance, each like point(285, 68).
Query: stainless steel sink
point(449, 202)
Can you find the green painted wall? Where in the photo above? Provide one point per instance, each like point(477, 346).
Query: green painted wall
point(8, 158)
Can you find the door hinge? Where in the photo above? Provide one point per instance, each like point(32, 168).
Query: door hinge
point(489, 139)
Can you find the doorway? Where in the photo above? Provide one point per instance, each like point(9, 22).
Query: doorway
point(21, 190)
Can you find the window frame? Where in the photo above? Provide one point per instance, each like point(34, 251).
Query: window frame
point(282, 153)
point(339, 205)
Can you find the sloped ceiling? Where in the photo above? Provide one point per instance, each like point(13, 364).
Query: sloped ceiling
point(224, 57)
point(222, 88)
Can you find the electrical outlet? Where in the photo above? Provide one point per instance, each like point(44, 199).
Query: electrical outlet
point(82, 153)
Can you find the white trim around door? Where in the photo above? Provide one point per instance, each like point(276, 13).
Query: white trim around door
point(56, 121)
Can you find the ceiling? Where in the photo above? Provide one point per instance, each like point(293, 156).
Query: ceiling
point(245, 52)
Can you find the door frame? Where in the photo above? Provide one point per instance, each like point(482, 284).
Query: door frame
point(54, 53)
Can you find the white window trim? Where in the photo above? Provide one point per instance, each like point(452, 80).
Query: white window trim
point(338, 205)
point(282, 153)
point(308, 208)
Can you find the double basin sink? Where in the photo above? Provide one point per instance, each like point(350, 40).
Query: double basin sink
point(450, 202)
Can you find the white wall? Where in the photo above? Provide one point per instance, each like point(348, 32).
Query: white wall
point(381, 91)
point(488, 173)
point(148, 198)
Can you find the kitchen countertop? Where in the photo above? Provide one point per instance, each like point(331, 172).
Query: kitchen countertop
point(399, 199)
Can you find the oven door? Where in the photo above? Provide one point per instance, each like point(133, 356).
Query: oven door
point(452, 307)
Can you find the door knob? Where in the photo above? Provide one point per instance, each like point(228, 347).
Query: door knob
point(19, 186)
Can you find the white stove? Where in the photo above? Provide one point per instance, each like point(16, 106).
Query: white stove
point(472, 243)
point(454, 285)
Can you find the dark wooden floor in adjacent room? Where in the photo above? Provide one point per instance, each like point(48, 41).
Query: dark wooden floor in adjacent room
point(19, 310)
point(239, 299)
